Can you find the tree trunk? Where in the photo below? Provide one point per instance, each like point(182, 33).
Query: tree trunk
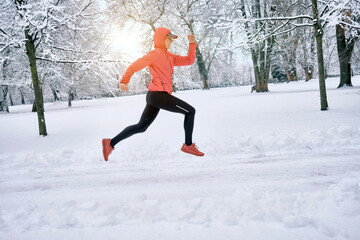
point(263, 62)
point(3, 102)
point(291, 73)
point(260, 52)
point(308, 65)
point(56, 94)
point(34, 107)
point(71, 96)
point(270, 42)
point(199, 59)
point(260, 55)
point(342, 54)
point(202, 69)
point(22, 97)
point(307, 43)
point(39, 103)
point(318, 36)
point(345, 47)
point(350, 49)
point(309, 71)
point(11, 99)
point(4, 89)
point(290, 61)
point(256, 70)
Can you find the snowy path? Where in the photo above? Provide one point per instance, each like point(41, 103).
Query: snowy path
point(190, 196)
point(295, 177)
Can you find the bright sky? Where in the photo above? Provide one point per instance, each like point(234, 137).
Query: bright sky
point(126, 41)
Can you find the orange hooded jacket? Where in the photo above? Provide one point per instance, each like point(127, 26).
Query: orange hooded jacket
point(160, 62)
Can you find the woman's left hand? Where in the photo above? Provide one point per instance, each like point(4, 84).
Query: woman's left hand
point(191, 38)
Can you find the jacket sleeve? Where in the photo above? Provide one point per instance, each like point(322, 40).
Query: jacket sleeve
point(186, 60)
point(137, 66)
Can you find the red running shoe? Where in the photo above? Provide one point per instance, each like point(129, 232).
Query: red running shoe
point(107, 148)
point(192, 149)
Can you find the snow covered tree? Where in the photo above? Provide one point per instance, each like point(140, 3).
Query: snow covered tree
point(193, 14)
point(307, 52)
point(319, 32)
point(48, 33)
point(147, 12)
point(347, 33)
point(289, 40)
point(11, 54)
point(331, 60)
point(32, 22)
point(332, 13)
point(252, 26)
point(4, 88)
point(262, 25)
point(259, 40)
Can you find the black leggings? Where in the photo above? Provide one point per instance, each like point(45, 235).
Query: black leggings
point(154, 102)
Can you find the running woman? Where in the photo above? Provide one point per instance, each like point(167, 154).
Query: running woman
point(161, 66)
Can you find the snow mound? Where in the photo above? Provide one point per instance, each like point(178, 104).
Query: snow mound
point(275, 167)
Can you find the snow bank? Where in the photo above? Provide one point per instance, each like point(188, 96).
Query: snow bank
point(276, 167)
point(330, 213)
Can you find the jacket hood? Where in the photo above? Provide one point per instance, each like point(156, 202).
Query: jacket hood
point(159, 37)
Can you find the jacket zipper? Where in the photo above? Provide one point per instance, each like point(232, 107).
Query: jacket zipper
point(167, 57)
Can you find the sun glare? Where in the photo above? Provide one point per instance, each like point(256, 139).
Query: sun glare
point(127, 42)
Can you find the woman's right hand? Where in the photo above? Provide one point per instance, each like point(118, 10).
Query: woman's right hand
point(123, 87)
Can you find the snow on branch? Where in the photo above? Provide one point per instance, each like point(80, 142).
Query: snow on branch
point(81, 60)
point(281, 18)
point(356, 26)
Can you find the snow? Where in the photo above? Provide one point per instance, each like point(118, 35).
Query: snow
point(275, 167)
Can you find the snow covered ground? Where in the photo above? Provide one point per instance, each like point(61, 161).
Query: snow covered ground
point(276, 167)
